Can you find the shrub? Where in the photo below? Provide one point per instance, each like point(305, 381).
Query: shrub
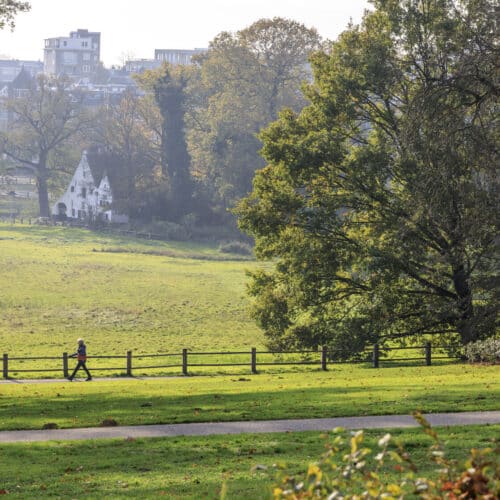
point(50, 425)
point(237, 247)
point(108, 422)
point(348, 471)
point(487, 350)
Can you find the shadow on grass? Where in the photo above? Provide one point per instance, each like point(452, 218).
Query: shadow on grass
point(89, 408)
point(189, 467)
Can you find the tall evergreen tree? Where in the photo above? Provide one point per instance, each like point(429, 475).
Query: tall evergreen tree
point(168, 86)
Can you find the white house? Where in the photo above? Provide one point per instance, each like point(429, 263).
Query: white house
point(89, 195)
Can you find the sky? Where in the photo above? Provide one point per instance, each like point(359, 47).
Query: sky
point(134, 28)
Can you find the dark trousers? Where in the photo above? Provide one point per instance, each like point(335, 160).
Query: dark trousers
point(81, 364)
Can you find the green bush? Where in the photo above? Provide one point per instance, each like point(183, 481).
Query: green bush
point(348, 470)
point(237, 247)
point(487, 350)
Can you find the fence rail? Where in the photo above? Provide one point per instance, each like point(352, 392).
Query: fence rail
point(194, 359)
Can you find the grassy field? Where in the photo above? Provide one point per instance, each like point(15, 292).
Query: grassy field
point(120, 294)
point(151, 297)
point(342, 391)
point(191, 467)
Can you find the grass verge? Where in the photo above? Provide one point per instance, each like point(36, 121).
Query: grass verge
point(342, 391)
point(190, 467)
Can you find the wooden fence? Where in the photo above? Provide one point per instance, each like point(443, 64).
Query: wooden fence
point(183, 361)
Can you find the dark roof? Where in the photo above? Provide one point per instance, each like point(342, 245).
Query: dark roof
point(23, 80)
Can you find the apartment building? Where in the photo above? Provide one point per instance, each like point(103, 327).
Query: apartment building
point(75, 56)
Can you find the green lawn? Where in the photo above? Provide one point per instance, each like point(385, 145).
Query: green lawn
point(342, 391)
point(191, 467)
point(58, 284)
point(121, 294)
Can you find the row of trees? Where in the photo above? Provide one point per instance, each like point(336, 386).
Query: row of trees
point(187, 145)
point(376, 194)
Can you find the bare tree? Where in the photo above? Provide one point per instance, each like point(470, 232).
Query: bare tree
point(44, 119)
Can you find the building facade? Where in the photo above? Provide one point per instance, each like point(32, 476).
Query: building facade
point(177, 56)
point(89, 195)
point(141, 65)
point(16, 80)
point(75, 56)
point(10, 68)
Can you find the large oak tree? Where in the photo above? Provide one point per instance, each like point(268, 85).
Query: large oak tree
point(379, 204)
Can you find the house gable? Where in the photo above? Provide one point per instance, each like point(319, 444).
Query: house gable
point(88, 196)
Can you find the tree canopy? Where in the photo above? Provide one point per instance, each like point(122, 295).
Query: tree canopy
point(8, 10)
point(245, 79)
point(379, 203)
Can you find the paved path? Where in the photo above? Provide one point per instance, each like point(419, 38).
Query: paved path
point(205, 429)
point(76, 380)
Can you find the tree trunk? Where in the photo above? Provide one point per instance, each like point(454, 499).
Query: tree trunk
point(43, 194)
point(466, 325)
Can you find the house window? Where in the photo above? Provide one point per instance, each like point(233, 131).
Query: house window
point(72, 212)
point(84, 192)
point(86, 68)
point(72, 189)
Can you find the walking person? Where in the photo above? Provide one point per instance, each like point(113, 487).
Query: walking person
point(81, 355)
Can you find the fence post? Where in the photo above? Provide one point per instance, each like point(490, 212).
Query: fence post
point(254, 360)
point(324, 351)
point(129, 363)
point(5, 365)
point(375, 356)
point(184, 361)
point(65, 365)
point(428, 353)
